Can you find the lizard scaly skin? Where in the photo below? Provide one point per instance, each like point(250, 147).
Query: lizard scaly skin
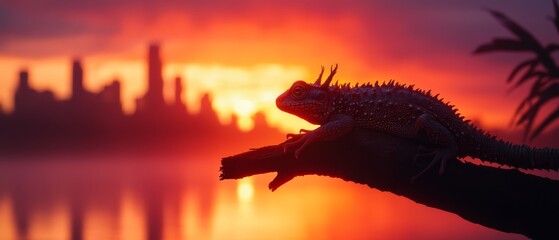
point(403, 111)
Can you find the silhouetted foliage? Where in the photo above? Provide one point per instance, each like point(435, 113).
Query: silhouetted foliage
point(541, 70)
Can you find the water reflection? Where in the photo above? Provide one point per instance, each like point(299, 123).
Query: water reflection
point(110, 197)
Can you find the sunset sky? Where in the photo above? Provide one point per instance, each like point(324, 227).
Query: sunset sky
point(245, 53)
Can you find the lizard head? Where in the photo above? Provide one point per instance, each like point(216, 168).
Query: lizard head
point(308, 101)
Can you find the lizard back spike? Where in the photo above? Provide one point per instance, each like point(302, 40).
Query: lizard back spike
point(319, 79)
point(326, 83)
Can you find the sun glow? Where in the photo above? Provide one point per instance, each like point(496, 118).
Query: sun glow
point(7, 228)
point(245, 190)
point(239, 91)
point(243, 108)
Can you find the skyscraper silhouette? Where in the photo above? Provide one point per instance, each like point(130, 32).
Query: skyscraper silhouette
point(78, 91)
point(155, 79)
point(179, 104)
point(178, 90)
point(23, 79)
point(153, 101)
point(22, 94)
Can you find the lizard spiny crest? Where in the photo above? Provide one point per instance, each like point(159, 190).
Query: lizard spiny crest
point(326, 83)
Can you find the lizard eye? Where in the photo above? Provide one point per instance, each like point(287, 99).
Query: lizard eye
point(298, 91)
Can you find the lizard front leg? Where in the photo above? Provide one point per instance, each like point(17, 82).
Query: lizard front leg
point(433, 132)
point(337, 126)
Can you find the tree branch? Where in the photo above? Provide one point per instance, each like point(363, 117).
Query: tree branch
point(505, 200)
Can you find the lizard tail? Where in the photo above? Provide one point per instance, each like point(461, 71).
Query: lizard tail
point(518, 156)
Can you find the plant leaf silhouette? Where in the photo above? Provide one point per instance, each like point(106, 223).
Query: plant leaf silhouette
point(542, 72)
point(530, 74)
point(551, 48)
point(544, 97)
point(555, 19)
point(502, 44)
point(552, 117)
point(528, 63)
point(523, 35)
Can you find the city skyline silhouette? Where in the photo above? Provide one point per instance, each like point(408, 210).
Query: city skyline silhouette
point(89, 119)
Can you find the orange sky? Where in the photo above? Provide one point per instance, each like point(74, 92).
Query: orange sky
point(247, 52)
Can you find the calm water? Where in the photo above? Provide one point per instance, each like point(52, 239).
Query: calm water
point(180, 197)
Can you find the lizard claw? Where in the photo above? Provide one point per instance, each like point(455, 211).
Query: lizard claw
point(291, 135)
point(439, 156)
point(304, 131)
point(301, 132)
point(293, 144)
point(299, 144)
point(422, 152)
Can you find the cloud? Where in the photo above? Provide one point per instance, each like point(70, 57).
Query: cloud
point(21, 25)
point(399, 29)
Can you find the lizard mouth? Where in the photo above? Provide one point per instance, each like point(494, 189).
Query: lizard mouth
point(309, 107)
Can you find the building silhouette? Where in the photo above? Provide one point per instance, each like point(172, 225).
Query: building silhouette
point(78, 91)
point(153, 100)
point(178, 93)
point(31, 104)
point(87, 106)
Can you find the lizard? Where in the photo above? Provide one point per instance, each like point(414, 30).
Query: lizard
point(403, 111)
